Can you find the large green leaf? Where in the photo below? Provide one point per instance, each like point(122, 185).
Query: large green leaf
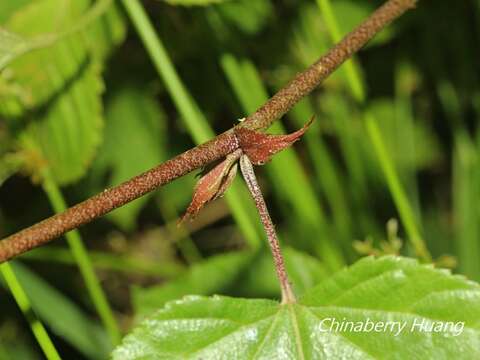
point(102, 34)
point(67, 137)
point(372, 293)
point(51, 97)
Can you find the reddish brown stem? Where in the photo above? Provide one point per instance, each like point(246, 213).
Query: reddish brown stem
point(110, 199)
point(305, 82)
point(214, 149)
point(249, 175)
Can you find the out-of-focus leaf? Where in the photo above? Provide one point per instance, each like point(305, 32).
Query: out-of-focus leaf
point(107, 31)
point(426, 151)
point(38, 77)
point(352, 12)
point(108, 261)
point(437, 315)
point(7, 8)
point(309, 36)
point(14, 350)
point(56, 91)
point(249, 16)
point(9, 165)
point(194, 2)
point(178, 192)
point(102, 34)
point(10, 45)
point(211, 276)
point(66, 138)
point(260, 279)
point(135, 139)
point(309, 40)
point(62, 316)
point(466, 196)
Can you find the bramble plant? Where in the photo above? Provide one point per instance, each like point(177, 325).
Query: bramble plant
point(53, 128)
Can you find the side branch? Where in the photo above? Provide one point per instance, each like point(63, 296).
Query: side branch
point(212, 150)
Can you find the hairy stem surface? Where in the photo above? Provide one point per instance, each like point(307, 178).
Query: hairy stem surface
point(249, 175)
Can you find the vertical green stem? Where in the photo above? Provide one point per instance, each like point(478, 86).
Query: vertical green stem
point(357, 88)
point(24, 304)
point(84, 263)
point(399, 196)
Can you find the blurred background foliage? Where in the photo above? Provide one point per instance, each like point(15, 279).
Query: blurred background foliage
point(95, 92)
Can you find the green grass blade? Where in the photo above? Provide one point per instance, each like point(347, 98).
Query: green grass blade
point(405, 125)
point(24, 304)
point(196, 123)
point(399, 196)
point(67, 320)
point(393, 182)
point(466, 196)
point(327, 175)
point(84, 263)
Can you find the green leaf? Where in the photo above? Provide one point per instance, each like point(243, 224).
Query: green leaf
point(426, 147)
point(373, 291)
point(62, 316)
point(466, 194)
point(66, 138)
point(352, 12)
point(248, 16)
point(51, 97)
point(10, 45)
point(7, 8)
point(134, 141)
point(205, 278)
point(10, 163)
point(102, 35)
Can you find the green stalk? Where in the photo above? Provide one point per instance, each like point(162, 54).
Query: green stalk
point(466, 193)
point(357, 88)
point(197, 125)
point(23, 303)
point(399, 196)
point(84, 263)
